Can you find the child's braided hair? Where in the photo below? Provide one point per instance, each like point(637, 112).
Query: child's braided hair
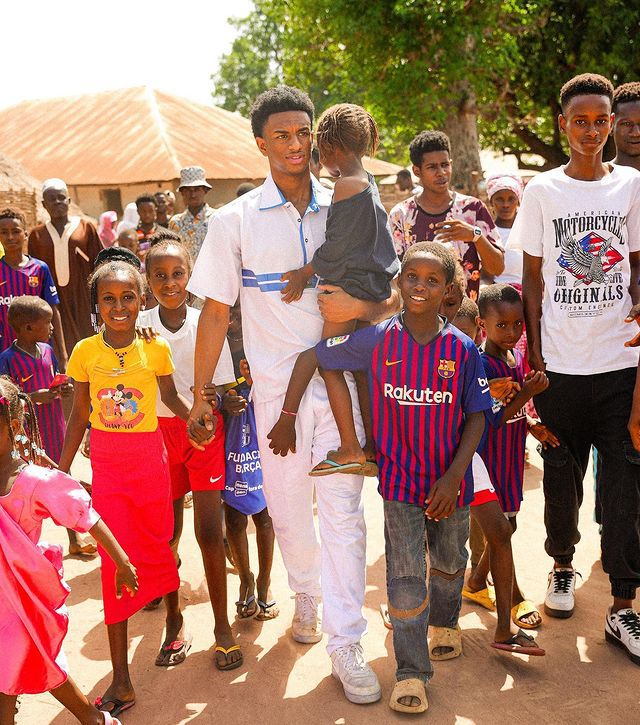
point(16, 405)
point(348, 127)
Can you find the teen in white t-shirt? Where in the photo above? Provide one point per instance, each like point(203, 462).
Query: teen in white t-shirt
point(579, 227)
point(584, 232)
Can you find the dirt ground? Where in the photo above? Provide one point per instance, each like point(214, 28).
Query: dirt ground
point(582, 678)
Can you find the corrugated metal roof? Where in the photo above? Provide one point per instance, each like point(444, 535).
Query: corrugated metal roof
point(131, 136)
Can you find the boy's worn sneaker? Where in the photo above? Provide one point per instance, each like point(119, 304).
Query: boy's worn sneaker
point(304, 626)
point(359, 681)
point(622, 628)
point(560, 599)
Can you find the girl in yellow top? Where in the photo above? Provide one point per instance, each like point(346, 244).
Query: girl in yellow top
point(117, 377)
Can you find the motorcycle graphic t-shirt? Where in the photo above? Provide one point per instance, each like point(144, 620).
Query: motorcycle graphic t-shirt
point(123, 397)
point(584, 232)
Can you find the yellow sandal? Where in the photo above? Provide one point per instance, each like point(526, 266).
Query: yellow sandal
point(484, 597)
point(524, 609)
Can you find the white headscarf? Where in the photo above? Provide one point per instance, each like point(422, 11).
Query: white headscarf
point(130, 218)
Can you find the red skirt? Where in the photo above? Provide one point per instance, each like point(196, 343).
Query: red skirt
point(132, 493)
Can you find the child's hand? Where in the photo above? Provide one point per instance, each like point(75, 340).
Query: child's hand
point(233, 403)
point(535, 382)
point(504, 389)
point(442, 498)
point(283, 436)
point(66, 390)
point(148, 334)
point(245, 371)
point(542, 434)
point(202, 423)
point(126, 579)
point(39, 397)
point(209, 393)
point(85, 447)
point(297, 281)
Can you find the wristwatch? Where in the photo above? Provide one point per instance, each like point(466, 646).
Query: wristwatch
point(477, 233)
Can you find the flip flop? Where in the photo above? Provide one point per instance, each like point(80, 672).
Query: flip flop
point(118, 706)
point(243, 605)
point(515, 646)
point(482, 597)
point(268, 610)
point(174, 653)
point(523, 609)
point(411, 687)
point(226, 653)
point(333, 467)
point(368, 468)
point(109, 720)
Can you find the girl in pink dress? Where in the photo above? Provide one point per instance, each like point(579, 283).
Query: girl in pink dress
point(33, 618)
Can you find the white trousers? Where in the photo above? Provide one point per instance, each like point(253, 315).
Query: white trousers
point(335, 567)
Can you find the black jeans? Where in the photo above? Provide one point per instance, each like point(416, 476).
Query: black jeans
point(586, 410)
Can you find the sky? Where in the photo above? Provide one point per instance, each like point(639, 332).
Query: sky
point(83, 46)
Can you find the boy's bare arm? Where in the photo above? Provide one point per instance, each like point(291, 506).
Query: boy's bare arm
point(58, 336)
point(296, 282)
point(283, 433)
point(444, 492)
point(201, 432)
point(532, 299)
point(534, 383)
point(340, 307)
point(634, 291)
point(212, 331)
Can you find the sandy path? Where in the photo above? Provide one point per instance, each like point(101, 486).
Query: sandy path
point(582, 679)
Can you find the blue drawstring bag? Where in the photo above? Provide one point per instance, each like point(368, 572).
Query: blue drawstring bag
point(243, 479)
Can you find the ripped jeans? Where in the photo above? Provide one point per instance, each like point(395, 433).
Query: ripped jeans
point(406, 551)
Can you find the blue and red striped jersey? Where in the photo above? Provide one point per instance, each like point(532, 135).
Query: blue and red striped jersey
point(504, 447)
point(32, 279)
point(419, 397)
point(30, 374)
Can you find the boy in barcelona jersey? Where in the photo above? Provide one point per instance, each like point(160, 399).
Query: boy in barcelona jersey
point(428, 395)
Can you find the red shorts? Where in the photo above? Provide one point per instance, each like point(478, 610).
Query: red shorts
point(484, 496)
point(189, 468)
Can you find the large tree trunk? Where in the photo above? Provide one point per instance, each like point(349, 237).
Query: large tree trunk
point(461, 128)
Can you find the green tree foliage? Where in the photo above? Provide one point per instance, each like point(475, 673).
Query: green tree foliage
point(424, 63)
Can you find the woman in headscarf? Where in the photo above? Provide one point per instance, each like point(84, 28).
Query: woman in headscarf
point(130, 218)
point(106, 230)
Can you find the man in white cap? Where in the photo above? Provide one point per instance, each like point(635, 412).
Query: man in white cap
point(69, 245)
point(192, 223)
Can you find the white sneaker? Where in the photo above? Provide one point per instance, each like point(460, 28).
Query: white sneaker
point(304, 626)
point(560, 599)
point(622, 628)
point(358, 679)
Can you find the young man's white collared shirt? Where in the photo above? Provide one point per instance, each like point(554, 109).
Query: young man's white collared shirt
point(250, 244)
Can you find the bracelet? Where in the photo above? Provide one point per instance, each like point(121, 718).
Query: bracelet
point(288, 412)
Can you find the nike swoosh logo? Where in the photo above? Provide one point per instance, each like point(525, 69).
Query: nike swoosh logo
point(24, 380)
point(615, 630)
point(214, 480)
point(4, 281)
point(389, 363)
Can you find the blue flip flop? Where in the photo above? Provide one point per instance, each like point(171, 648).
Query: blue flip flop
point(335, 468)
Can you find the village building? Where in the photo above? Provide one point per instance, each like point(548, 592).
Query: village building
point(112, 146)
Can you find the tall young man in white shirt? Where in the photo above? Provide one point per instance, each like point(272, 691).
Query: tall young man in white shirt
point(250, 244)
point(579, 227)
